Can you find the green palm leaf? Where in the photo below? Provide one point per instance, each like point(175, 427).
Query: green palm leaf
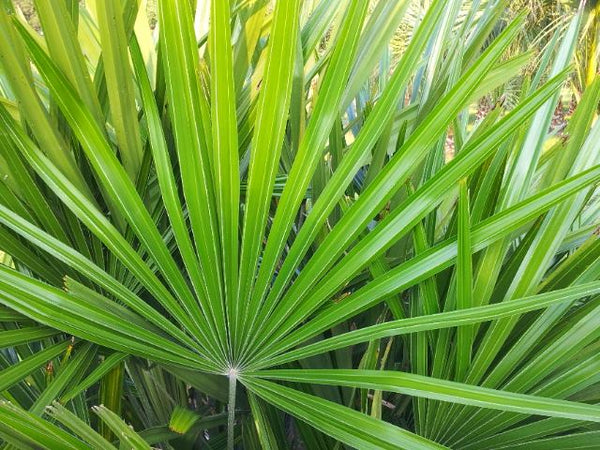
point(246, 224)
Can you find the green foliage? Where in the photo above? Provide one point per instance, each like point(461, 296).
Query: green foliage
point(267, 224)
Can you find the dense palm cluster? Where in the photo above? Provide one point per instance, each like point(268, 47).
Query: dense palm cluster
point(306, 224)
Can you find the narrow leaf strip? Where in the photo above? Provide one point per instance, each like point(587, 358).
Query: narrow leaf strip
point(433, 388)
point(22, 369)
point(126, 434)
point(119, 84)
point(20, 336)
point(225, 150)
point(344, 424)
point(464, 274)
